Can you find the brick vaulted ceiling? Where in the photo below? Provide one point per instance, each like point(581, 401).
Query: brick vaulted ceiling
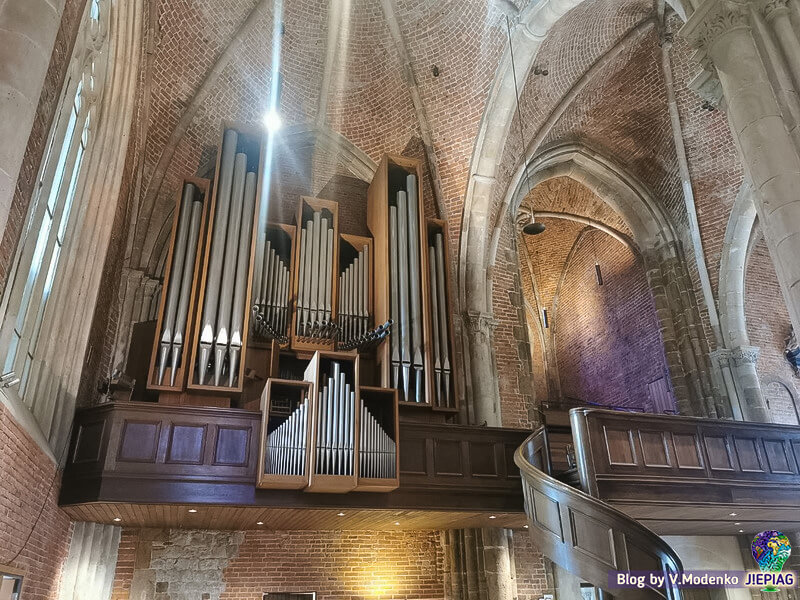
point(209, 61)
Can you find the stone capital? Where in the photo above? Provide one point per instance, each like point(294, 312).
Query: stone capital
point(479, 323)
point(774, 8)
point(742, 355)
point(721, 356)
point(713, 19)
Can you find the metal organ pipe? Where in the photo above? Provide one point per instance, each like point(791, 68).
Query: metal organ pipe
point(415, 289)
point(335, 424)
point(377, 450)
point(440, 333)
point(314, 285)
point(287, 444)
point(354, 303)
point(217, 251)
point(394, 341)
point(402, 281)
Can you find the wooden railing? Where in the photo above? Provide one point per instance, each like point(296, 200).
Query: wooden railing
point(643, 457)
point(584, 535)
point(138, 452)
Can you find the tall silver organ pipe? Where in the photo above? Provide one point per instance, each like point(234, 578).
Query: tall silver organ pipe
point(316, 269)
point(335, 441)
point(353, 313)
point(440, 333)
point(184, 253)
point(376, 449)
point(226, 283)
point(271, 299)
point(407, 347)
point(286, 444)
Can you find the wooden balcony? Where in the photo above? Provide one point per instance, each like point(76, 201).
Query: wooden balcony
point(684, 475)
point(149, 464)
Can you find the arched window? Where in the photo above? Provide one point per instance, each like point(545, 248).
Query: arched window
point(55, 202)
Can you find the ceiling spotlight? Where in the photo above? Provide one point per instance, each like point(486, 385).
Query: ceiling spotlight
point(272, 121)
point(737, 523)
point(117, 519)
point(397, 522)
point(260, 523)
point(192, 510)
point(741, 531)
point(492, 517)
point(732, 514)
point(341, 514)
point(524, 526)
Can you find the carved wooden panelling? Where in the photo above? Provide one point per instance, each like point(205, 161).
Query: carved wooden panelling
point(412, 458)
point(619, 443)
point(481, 459)
point(186, 444)
point(233, 445)
point(654, 449)
point(719, 457)
point(747, 453)
point(546, 514)
point(447, 457)
point(511, 471)
point(139, 441)
point(778, 459)
point(687, 453)
point(592, 537)
point(88, 442)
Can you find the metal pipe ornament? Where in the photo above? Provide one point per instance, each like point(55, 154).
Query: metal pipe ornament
point(314, 287)
point(335, 423)
point(286, 444)
point(353, 317)
point(439, 322)
point(377, 450)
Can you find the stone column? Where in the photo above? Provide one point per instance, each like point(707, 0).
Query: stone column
point(478, 565)
point(28, 29)
point(743, 361)
point(484, 397)
point(722, 30)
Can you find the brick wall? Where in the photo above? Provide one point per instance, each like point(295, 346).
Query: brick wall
point(126, 564)
point(45, 112)
point(34, 532)
point(607, 337)
point(767, 326)
point(533, 580)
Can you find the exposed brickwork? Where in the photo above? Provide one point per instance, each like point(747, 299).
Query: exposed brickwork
point(532, 579)
point(126, 563)
point(28, 507)
point(768, 326)
point(45, 113)
point(607, 337)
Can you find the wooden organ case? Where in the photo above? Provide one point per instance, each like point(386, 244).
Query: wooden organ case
point(333, 336)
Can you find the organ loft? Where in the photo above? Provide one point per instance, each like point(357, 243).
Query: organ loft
point(396, 299)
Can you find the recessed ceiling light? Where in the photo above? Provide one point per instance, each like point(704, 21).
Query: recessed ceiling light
point(260, 523)
point(741, 531)
point(492, 517)
point(732, 514)
point(737, 523)
point(525, 526)
point(192, 510)
point(397, 522)
point(117, 519)
point(341, 514)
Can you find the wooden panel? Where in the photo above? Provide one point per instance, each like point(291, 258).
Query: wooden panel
point(139, 441)
point(687, 451)
point(88, 443)
point(778, 460)
point(747, 453)
point(233, 446)
point(719, 456)
point(186, 444)
point(619, 445)
point(546, 514)
point(592, 537)
point(643, 560)
point(481, 460)
point(412, 458)
point(447, 458)
point(654, 449)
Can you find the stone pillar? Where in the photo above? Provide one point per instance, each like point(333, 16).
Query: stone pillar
point(484, 397)
point(478, 565)
point(723, 32)
point(28, 29)
point(743, 361)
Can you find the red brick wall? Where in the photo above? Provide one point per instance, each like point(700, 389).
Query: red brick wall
point(607, 337)
point(767, 326)
point(28, 507)
point(532, 580)
point(48, 103)
point(126, 563)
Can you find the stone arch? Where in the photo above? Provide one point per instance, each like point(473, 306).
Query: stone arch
point(776, 380)
point(656, 241)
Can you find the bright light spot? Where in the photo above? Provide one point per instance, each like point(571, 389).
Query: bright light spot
point(192, 510)
point(732, 514)
point(260, 523)
point(737, 523)
point(741, 531)
point(525, 526)
point(340, 514)
point(272, 121)
point(397, 522)
point(492, 517)
point(117, 519)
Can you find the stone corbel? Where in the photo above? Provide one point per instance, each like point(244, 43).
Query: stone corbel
point(721, 357)
point(479, 323)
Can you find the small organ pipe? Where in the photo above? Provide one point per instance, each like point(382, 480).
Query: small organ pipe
point(287, 444)
point(437, 356)
point(441, 267)
point(242, 272)
point(323, 261)
point(394, 341)
point(377, 450)
point(415, 289)
point(328, 274)
point(186, 287)
point(217, 252)
point(405, 329)
point(306, 282)
point(365, 287)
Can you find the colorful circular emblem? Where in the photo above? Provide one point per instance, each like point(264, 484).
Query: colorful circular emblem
point(771, 549)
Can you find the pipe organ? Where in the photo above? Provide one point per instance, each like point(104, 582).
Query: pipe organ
point(330, 334)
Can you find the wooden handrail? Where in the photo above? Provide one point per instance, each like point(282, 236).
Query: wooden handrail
point(586, 536)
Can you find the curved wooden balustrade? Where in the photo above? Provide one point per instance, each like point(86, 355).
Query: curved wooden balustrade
point(583, 534)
